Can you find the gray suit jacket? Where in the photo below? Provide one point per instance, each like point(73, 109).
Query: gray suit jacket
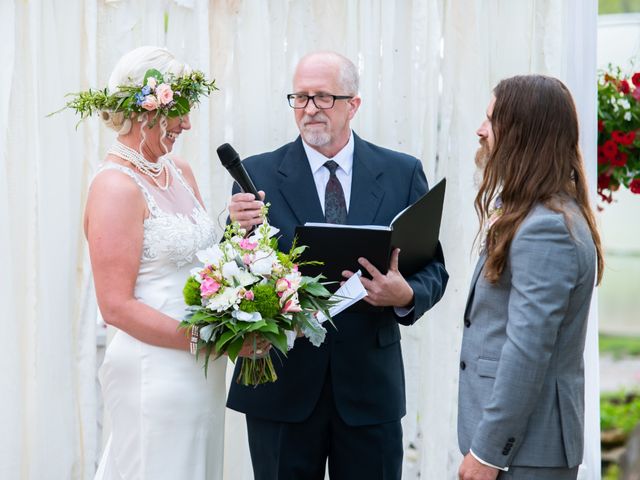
point(521, 389)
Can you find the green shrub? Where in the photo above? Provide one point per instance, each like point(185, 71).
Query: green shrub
point(620, 410)
point(612, 472)
point(620, 346)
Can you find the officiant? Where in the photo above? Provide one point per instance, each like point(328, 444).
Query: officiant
point(344, 400)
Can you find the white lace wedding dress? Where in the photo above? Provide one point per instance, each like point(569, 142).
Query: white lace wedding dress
point(166, 418)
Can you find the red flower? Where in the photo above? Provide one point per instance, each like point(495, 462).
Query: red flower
point(620, 160)
point(604, 181)
point(634, 186)
point(602, 160)
point(623, 87)
point(629, 138)
point(623, 138)
point(636, 79)
point(610, 149)
point(601, 123)
point(618, 136)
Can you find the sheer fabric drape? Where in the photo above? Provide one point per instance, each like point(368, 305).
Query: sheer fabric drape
point(427, 70)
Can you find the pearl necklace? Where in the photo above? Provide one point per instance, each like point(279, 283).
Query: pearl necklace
point(152, 169)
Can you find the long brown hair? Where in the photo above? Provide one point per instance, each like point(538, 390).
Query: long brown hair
point(535, 159)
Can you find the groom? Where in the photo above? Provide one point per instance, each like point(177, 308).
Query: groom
point(521, 393)
point(344, 400)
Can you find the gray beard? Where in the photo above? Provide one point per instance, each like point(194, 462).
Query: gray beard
point(316, 139)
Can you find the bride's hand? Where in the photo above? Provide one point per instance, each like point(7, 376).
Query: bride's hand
point(255, 346)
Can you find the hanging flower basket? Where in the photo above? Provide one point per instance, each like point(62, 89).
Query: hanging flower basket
point(618, 133)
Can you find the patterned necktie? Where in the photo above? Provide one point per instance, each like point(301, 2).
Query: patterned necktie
point(335, 207)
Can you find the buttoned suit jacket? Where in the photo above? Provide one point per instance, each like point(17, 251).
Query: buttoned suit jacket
point(521, 386)
point(362, 357)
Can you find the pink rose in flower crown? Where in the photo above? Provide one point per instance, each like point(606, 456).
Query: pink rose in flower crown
point(149, 103)
point(209, 287)
point(164, 94)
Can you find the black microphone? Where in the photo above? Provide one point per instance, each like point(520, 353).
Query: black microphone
point(231, 161)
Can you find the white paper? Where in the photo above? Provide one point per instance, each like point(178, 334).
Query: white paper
point(343, 225)
point(349, 293)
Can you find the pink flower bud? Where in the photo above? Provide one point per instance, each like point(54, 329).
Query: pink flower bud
point(247, 244)
point(149, 103)
point(282, 284)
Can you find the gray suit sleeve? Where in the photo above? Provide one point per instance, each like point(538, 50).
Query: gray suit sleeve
point(544, 269)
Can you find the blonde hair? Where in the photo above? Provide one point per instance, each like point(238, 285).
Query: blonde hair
point(130, 70)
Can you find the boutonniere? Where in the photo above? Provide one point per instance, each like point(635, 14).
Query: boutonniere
point(495, 211)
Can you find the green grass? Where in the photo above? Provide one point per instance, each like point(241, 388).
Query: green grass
point(618, 6)
point(620, 346)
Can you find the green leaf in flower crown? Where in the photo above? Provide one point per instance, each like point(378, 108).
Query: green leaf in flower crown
point(152, 72)
point(180, 108)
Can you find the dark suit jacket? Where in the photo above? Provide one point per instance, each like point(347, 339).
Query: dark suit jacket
point(363, 356)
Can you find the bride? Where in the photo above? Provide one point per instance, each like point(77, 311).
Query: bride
point(144, 222)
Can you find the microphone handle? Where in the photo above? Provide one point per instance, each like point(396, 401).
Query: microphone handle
point(240, 175)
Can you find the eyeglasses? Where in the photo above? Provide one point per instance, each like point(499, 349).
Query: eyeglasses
point(322, 101)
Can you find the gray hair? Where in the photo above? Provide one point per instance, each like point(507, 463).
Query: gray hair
point(349, 79)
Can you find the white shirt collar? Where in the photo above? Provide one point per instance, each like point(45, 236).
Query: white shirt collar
point(344, 158)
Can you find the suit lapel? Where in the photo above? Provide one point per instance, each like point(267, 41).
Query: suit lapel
point(366, 192)
point(474, 280)
point(297, 185)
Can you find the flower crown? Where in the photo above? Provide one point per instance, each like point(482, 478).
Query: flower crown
point(166, 95)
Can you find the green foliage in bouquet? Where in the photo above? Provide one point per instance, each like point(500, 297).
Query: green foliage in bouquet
point(191, 292)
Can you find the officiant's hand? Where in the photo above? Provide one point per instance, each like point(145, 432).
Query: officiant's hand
point(390, 290)
point(472, 469)
point(245, 209)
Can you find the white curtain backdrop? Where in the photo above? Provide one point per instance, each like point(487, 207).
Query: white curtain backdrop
point(427, 69)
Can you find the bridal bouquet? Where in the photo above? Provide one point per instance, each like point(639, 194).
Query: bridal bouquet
point(246, 288)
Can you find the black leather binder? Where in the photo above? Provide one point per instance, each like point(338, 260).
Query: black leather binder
point(415, 231)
